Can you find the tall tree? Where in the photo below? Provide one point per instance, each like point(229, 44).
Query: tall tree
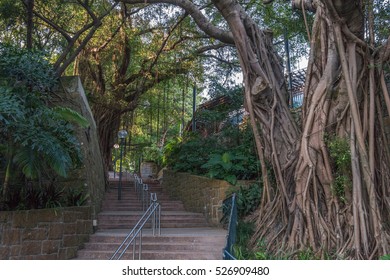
point(343, 101)
point(61, 27)
point(128, 57)
point(302, 210)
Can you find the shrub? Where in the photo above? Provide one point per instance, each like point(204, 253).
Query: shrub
point(37, 138)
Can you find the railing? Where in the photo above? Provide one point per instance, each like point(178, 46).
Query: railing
point(230, 207)
point(153, 213)
point(142, 190)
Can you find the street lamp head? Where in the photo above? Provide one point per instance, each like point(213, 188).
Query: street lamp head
point(122, 134)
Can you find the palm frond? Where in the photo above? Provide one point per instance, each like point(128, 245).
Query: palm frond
point(71, 116)
point(28, 161)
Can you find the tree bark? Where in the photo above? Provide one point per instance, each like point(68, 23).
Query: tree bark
point(30, 24)
point(338, 105)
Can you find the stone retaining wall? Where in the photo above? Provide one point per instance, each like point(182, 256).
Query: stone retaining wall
point(199, 194)
point(44, 234)
point(91, 175)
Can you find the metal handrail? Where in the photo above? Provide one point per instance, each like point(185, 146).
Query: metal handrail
point(156, 221)
point(154, 212)
point(137, 183)
point(232, 228)
point(142, 190)
point(145, 196)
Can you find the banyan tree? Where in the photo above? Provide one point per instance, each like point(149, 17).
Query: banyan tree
point(329, 190)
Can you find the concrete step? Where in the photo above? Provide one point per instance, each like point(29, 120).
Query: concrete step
point(178, 214)
point(157, 246)
point(185, 243)
point(174, 216)
point(121, 203)
point(133, 197)
point(103, 226)
point(151, 255)
point(164, 208)
point(167, 235)
point(128, 194)
point(167, 221)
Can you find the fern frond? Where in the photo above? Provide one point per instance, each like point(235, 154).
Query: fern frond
point(71, 116)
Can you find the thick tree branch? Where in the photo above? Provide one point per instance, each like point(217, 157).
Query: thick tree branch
point(67, 56)
point(56, 27)
point(202, 22)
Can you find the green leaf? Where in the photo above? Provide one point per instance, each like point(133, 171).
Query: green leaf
point(226, 157)
point(28, 161)
point(232, 179)
point(227, 165)
point(71, 116)
point(213, 173)
point(385, 257)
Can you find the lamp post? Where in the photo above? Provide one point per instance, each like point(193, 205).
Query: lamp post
point(193, 108)
point(116, 147)
point(122, 134)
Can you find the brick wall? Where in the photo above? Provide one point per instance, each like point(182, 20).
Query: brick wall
point(199, 194)
point(44, 234)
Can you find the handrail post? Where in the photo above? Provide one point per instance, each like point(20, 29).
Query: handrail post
point(145, 192)
point(159, 219)
point(152, 201)
point(135, 182)
point(140, 245)
point(134, 246)
point(142, 197)
point(231, 237)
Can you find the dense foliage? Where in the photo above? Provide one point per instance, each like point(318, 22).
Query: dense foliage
point(46, 195)
point(224, 153)
point(37, 140)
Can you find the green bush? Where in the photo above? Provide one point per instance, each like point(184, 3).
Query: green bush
point(340, 154)
point(385, 257)
point(225, 166)
point(33, 196)
point(76, 197)
point(248, 199)
point(226, 153)
point(215, 156)
point(37, 137)
point(191, 153)
point(244, 232)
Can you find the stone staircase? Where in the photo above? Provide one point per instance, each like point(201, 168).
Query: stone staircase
point(184, 235)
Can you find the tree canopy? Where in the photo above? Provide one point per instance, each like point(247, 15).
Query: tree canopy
point(129, 51)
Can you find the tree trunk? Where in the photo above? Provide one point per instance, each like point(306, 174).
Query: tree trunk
point(308, 207)
point(29, 23)
point(276, 133)
point(108, 122)
point(347, 220)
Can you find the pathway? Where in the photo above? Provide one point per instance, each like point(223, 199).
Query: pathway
point(184, 235)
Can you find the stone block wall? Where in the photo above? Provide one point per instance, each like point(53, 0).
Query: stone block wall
point(199, 194)
point(44, 234)
point(91, 175)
